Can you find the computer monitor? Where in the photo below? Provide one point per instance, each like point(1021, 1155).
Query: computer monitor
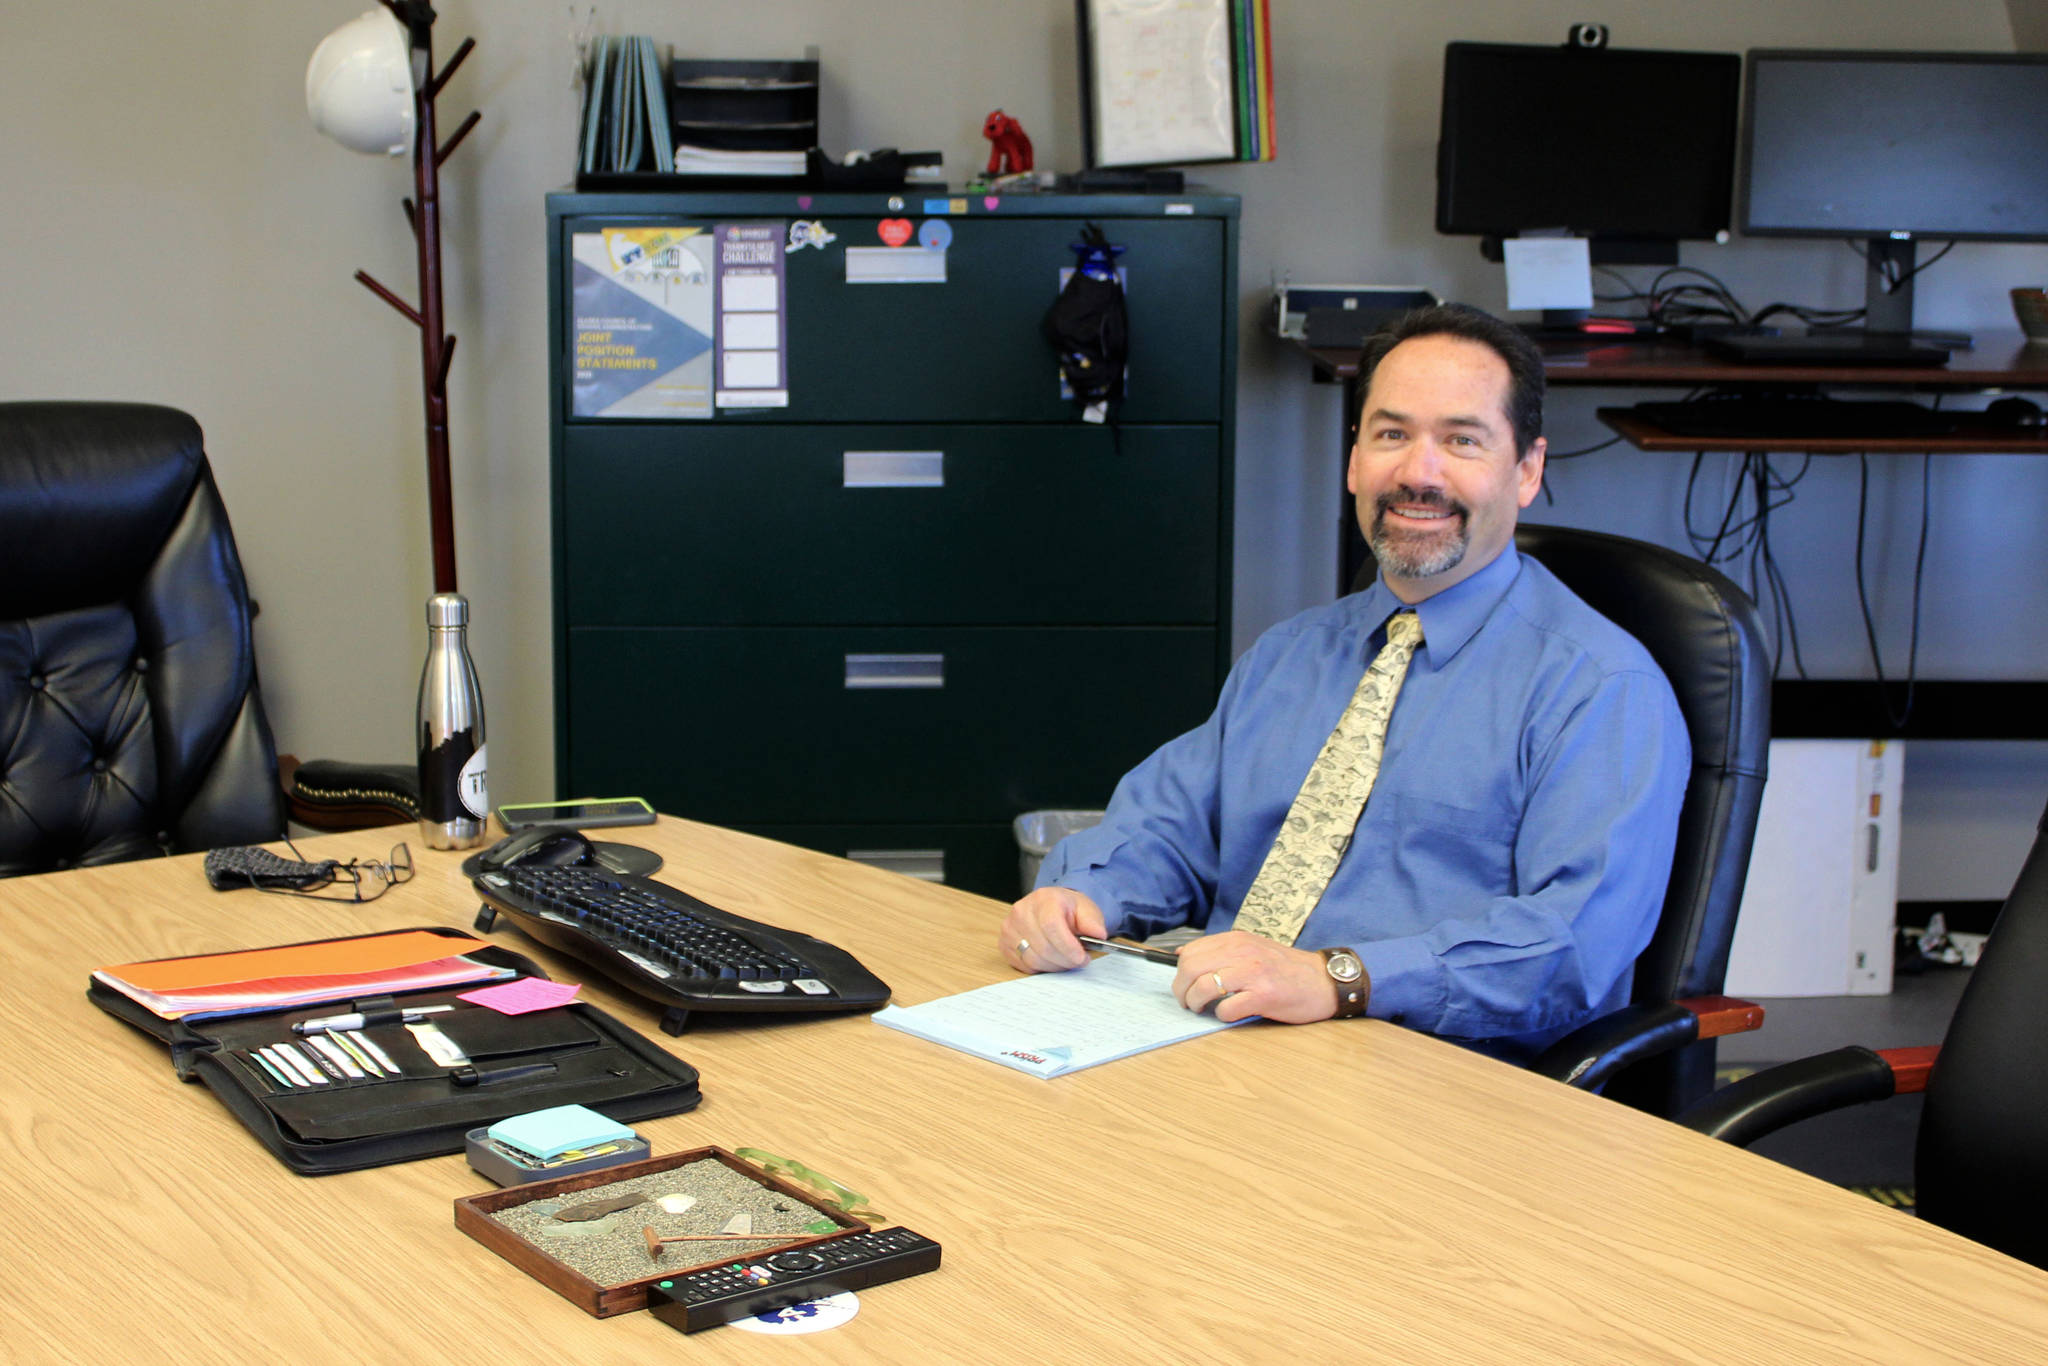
point(1891, 147)
point(1632, 149)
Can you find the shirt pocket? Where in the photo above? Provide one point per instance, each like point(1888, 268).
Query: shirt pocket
point(1446, 848)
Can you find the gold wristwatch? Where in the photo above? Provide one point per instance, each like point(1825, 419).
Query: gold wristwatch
point(1349, 976)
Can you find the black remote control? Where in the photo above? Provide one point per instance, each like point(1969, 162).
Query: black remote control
point(759, 1285)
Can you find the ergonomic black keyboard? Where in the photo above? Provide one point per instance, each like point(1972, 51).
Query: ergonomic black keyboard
point(681, 953)
point(1765, 417)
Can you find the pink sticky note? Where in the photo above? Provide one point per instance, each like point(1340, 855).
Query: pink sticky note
point(526, 994)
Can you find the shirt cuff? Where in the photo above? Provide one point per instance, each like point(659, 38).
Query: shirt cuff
point(1407, 980)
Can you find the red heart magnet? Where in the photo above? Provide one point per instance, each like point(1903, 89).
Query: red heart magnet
point(894, 231)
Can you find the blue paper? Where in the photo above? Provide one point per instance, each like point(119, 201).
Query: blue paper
point(547, 1134)
point(1051, 1023)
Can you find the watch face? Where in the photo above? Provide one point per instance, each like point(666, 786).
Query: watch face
point(1345, 967)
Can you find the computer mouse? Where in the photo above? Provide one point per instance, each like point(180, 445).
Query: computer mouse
point(540, 847)
point(2014, 412)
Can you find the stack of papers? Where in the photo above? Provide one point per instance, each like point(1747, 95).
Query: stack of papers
point(718, 161)
point(1053, 1023)
point(300, 974)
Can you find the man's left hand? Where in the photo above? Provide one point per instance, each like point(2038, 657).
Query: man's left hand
point(1244, 974)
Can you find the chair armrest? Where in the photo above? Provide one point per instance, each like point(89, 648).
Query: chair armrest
point(1764, 1102)
point(1590, 1055)
point(328, 794)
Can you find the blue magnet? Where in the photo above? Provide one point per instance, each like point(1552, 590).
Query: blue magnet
point(936, 233)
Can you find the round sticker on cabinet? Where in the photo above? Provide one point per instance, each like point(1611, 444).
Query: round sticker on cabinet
point(936, 234)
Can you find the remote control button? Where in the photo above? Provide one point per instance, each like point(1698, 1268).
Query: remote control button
point(796, 1260)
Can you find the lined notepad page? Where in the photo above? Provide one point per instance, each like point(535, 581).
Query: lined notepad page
point(1053, 1023)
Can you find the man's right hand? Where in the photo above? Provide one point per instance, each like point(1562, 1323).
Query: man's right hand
point(1038, 933)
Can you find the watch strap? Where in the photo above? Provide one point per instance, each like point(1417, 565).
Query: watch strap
point(1352, 995)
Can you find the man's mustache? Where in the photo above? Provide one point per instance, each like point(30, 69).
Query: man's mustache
point(1431, 498)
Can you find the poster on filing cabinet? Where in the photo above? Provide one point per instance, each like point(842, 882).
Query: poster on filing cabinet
point(641, 305)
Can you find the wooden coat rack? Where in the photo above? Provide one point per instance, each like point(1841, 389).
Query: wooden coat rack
point(423, 212)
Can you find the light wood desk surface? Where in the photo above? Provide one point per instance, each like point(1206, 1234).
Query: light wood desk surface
point(1344, 1191)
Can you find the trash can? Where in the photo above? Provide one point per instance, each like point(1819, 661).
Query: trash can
point(1038, 831)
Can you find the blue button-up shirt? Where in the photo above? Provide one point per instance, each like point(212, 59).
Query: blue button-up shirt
point(1512, 859)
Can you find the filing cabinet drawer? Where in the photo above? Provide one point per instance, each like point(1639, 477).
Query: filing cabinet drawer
point(969, 349)
point(666, 524)
point(766, 725)
point(975, 858)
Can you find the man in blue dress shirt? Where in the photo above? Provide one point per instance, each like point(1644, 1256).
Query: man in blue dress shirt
point(1512, 857)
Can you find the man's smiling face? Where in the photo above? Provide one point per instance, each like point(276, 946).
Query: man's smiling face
point(1435, 470)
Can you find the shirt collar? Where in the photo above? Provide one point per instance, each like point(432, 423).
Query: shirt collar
point(1454, 616)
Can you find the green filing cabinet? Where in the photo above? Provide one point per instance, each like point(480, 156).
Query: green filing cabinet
point(896, 592)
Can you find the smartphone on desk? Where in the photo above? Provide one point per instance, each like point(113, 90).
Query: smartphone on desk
point(582, 813)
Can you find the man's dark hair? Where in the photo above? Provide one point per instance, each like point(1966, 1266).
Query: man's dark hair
point(1510, 343)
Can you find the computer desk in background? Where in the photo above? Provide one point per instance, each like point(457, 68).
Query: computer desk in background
point(2001, 361)
point(1336, 1192)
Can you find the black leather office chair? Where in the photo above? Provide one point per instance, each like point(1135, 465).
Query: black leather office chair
point(1657, 1053)
point(1980, 1165)
point(130, 722)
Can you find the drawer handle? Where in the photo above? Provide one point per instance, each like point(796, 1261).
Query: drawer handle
point(926, 865)
point(893, 470)
point(895, 671)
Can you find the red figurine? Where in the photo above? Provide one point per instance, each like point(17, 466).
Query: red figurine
point(1009, 148)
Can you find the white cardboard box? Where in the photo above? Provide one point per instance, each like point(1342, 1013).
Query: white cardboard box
point(1818, 908)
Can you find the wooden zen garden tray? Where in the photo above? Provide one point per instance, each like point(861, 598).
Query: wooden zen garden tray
point(603, 1263)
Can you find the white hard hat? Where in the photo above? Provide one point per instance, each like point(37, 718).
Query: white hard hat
point(359, 85)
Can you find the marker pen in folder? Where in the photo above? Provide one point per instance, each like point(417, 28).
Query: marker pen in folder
point(366, 1018)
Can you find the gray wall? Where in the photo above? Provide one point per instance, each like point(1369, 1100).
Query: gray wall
point(175, 231)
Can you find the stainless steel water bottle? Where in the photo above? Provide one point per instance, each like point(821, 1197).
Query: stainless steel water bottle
point(454, 794)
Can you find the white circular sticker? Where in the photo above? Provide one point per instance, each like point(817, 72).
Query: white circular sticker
point(812, 1316)
point(473, 786)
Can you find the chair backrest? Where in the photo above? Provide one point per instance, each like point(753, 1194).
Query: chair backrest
point(1704, 633)
point(1981, 1165)
point(130, 721)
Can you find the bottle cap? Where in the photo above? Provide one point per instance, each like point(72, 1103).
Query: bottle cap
point(447, 609)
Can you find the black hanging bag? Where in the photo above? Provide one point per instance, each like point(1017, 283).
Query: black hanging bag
point(1088, 324)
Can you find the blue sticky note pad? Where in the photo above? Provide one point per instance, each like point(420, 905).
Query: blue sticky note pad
point(547, 1134)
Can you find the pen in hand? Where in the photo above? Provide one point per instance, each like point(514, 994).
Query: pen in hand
point(1156, 955)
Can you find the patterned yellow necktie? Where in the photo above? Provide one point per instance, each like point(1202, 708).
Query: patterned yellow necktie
point(1319, 825)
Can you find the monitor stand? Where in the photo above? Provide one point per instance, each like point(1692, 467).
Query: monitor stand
point(1888, 309)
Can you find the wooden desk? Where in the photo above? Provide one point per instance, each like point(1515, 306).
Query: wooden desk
point(1339, 1191)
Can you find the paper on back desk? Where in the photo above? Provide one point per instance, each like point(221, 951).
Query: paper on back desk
point(1051, 1023)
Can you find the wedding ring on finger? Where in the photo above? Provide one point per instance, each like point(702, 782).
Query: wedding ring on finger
point(1221, 990)
point(1023, 947)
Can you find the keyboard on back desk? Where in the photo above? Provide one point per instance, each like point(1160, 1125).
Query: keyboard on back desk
point(1792, 418)
point(679, 952)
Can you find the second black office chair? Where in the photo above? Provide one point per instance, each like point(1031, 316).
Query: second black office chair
point(130, 721)
point(1980, 1166)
